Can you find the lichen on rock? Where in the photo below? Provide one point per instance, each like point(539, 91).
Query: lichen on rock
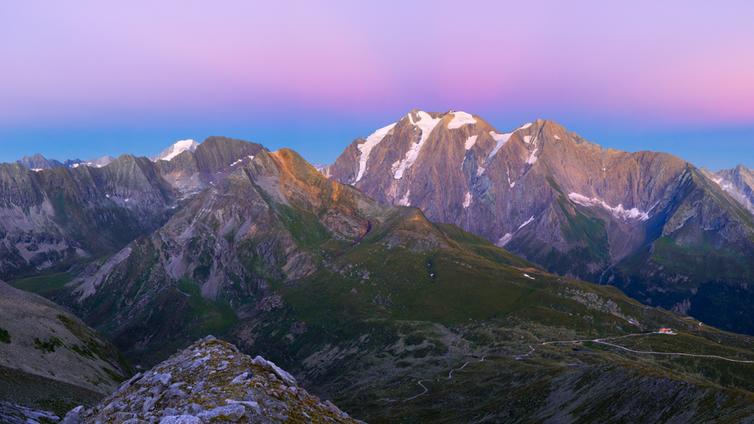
point(211, 381)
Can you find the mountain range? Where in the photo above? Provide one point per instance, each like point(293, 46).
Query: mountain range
point(368, 290)
point(664, 231)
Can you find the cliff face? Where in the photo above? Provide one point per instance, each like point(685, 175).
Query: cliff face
point(738, 183)
point(211, 381)
point(53, 217)
point(64, 215)
point(569, 205)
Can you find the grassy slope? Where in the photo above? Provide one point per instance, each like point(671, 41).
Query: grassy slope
point(473, 292)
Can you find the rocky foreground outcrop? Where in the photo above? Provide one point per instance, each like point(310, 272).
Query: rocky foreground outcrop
point(211, 381)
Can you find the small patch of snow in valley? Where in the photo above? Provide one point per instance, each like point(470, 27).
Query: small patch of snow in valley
point(470, 142)
point(467, 200)
point(527, 222)
point(617, 211)
point(366, 148)
point(460, 119)
point(505, 239)
point(236, 162)
point(527, 139)
point(557, 137)
point(529, 276)
point(508, 174)
point(405, 199)
point(426, 124)
point(532, 157)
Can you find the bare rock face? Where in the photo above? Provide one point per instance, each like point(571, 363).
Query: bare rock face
point(738, 183)
point(636, 220)
point(38, 162)
point(193, 169)
point(211, 381)
point(51, 216)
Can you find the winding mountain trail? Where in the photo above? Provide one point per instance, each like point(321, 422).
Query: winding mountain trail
point(604, 341)
point(425, 390)
point(421, 383)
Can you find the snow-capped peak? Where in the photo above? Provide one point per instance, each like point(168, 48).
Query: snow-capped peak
point(460, 119)
point(426, 123)
point(176, 149)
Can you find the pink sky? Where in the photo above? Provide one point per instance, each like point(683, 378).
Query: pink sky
point(626, 64)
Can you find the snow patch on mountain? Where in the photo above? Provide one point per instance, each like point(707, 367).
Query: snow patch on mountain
point(533, 157)
point(527, 222)
point(470, 142)
point(617, 211)
point(501, 139)
point(507, 237)
point(404, 200)
point(525, 126)
point(176, 149)
point(467, 200)
point(460, 119)
point(366, 148)
point(100, 161)
point(734, 192)
point(426, 124)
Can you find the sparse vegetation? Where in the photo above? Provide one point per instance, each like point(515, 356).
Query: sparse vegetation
point(47, 345)
point(45, 284)
point(4, 336)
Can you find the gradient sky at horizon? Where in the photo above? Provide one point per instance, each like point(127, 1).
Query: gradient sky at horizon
point(80, 79)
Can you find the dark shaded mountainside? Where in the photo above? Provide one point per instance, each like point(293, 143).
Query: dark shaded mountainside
point(665, 232)
point(386, 313)
point(50, 361)
point(52, 218)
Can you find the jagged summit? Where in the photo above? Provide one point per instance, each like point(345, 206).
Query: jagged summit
point(38, 162)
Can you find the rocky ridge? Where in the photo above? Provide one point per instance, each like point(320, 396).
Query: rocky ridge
point(739, 183)
point(211, 381)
